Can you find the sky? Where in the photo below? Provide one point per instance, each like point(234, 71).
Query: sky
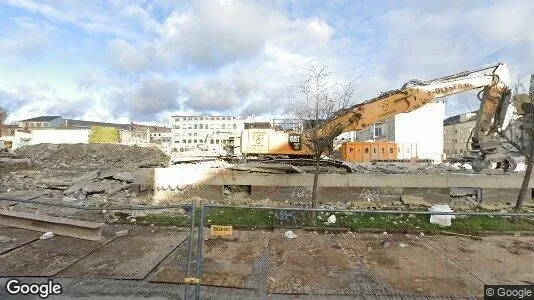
point(143, 61)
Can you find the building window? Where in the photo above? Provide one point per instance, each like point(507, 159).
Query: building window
point(195, 126)
point(206, 126)
point(195, 134)
point(195, 141)
point(200, 126)
point(223, 126)
point(378, 131)
point(216, 141)
point(235, 126)
point(183, 141)
point(211, 141)
point(189, 141)
point(178, 126)
point(455, 131)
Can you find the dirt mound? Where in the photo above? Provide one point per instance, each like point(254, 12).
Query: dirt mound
point(93, 154)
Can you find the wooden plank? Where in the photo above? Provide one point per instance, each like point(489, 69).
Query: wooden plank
point(128, 257)
point(60, 226)
point(45, 257)
point(18, 237)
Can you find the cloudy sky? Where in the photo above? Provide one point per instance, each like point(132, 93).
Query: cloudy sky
point(141, 61)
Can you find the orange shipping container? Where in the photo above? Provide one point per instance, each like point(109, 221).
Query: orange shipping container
point(368, 151)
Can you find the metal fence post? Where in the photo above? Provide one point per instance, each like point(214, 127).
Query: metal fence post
point(190, 247)
point(199, 250)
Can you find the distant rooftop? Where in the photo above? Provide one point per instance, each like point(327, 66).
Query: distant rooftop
point(459, 118)
point(81, 123)
point(42, 119)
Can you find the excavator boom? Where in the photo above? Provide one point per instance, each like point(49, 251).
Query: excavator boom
point(495, 81)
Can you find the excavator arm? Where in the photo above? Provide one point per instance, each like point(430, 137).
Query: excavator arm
point(416, 93)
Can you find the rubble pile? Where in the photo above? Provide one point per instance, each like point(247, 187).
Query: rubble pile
point(87, 186)
point(92, 154)
point(408, 168)
point(91, 183)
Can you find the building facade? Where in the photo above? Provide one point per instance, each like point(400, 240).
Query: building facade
point(191, 132)
point(457, 132)
point(422, 127)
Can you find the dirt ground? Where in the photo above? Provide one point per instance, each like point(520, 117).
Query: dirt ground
point(268, 263)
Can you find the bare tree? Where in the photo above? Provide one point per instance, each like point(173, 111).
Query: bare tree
point(524, 144)
point(318, 98)
point(3, 117)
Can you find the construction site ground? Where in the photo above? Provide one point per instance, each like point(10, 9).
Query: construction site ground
point(329, 263)
point(265, 263)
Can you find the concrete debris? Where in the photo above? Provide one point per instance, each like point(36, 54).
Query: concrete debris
point(385, 244)
point(409, 168)
point(402, 245)
point(123, 176)
point(461, 192)
point(58, 155)
point(267, 168)
point(15, 161)
point(5, 239)
point(414, 200)
point(289, 234)
point(47, 235)
point(121, 233)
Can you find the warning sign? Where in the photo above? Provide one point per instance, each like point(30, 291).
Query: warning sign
point(221, 230)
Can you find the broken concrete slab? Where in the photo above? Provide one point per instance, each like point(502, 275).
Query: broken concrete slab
point(114, 190)
point(124, 176)
point(66, 183)
point(20, 195)
point(462, 192)
point(414, 201)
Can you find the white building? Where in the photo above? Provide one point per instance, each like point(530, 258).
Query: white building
point(190, 132)
point(423, 127)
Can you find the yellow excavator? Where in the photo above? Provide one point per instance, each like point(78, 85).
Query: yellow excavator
point(486, 140)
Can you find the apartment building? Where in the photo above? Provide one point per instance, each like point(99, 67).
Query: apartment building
point(456, 133)
point(190, 132)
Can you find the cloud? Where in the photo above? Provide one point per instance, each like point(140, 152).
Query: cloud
point(146, 100)
point(244, 57)
point(212, 33)
point(22, 101)
point(126, 56)
point(27, 38)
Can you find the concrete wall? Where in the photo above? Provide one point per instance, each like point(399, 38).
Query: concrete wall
point(60, 136)
point(423, 127)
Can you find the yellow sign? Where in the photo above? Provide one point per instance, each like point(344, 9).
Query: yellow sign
point(221, 230)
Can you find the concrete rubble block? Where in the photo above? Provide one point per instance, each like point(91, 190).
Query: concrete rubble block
point(66, 183)
point(414, 201)
point(124, 176)
point(121, 233)
point(114, 190)
point(462, 192)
